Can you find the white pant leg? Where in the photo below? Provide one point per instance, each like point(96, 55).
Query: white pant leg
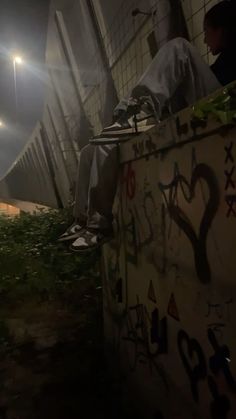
point(176, 72)
point(82, 183)
point(96, 185)
point(102, 187)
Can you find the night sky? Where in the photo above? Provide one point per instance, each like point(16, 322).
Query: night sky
point(23, 27)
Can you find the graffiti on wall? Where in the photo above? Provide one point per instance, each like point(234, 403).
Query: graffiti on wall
point(198, 369)
point(170, 207)
point(218, 315)
point(147, 335)
point(198, 240)
point(142, 233)
point(229, 172)
point(144, 146)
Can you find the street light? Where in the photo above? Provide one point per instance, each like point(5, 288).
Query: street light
point(17, 59)
point(2, 124)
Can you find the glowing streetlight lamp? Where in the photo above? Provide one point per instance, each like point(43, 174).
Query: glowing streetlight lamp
point(2, 124)
point(17, 59)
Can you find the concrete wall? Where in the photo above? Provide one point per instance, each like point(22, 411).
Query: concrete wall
point(169, 274)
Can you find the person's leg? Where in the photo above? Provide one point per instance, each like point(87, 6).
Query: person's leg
point(177, 67)
point(102, 187)
point(177, 75)
point(101, 193)
point(81, 195)
point(82, 184)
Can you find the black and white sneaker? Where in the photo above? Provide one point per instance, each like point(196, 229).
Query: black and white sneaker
point(90, 240)
point(139, 117)
point(71, 233)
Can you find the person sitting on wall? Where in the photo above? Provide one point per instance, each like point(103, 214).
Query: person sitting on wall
point(176, 77)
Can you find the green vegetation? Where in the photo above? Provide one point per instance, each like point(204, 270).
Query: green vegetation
point(33, 262)
point(51, 325)
point(222, 107)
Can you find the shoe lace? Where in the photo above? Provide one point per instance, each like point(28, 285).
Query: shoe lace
point(149, 107)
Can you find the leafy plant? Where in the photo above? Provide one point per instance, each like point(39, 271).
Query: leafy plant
point(222, 107)
point(33, 262)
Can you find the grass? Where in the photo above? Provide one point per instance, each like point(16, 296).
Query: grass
point(32, 262)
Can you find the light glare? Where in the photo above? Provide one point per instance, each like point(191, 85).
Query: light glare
point(18, 59)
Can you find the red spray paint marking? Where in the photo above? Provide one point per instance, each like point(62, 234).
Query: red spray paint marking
point(128, 178)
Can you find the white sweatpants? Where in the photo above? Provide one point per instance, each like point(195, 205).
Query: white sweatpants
point(177, 76)
point(96, 185)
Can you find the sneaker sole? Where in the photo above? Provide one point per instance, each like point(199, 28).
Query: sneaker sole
point(125, 132)
point(70, 237)
point(90, 249)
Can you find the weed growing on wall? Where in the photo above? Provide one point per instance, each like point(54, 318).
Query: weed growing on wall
point(31, 259)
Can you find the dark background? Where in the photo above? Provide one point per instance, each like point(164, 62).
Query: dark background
point(23, 28)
